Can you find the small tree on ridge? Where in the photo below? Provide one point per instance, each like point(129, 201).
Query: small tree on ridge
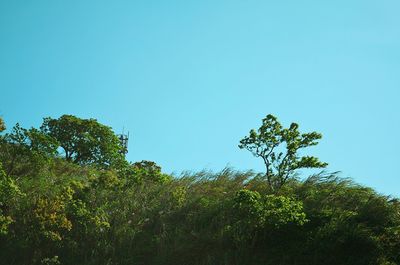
point(279, 149)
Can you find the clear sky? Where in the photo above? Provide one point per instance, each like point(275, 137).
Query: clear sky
point(189, 79)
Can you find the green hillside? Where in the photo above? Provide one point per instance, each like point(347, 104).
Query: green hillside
point(68, 196)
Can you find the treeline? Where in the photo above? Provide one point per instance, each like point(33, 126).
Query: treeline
point(68, 196)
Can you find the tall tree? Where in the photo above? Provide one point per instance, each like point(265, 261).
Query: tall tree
point(85, 141)
point(279, 149)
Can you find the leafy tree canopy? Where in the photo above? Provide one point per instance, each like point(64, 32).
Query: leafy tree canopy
point(279, 149)
point(85, 141)
point(26, 150)
point(145, 171)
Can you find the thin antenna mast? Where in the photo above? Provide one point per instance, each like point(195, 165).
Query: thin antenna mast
point(123, 139)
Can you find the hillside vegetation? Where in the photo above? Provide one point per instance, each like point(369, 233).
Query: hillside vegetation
point(68, 196)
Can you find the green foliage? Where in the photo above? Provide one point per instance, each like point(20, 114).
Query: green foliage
point(145, 171)
point(279, 148)
point(65, 211)
point(281, 211)
point(32, 140)
point(8, 192)
point(254, 213)
point(26, 152)
point(89, 216)
point(85, 141)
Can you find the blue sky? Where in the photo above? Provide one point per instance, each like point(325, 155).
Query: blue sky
point(189, 79)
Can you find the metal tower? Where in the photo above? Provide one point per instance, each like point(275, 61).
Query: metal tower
point(123, 140)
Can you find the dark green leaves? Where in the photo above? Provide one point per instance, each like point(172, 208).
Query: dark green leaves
point(84, 141)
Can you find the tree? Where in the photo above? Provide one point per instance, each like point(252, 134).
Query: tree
point(85, 141)
point(279, 149)
point(26, 149)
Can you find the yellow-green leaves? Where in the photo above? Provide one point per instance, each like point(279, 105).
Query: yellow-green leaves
point(9, 191)
point(51, 217)
point(179, 196)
